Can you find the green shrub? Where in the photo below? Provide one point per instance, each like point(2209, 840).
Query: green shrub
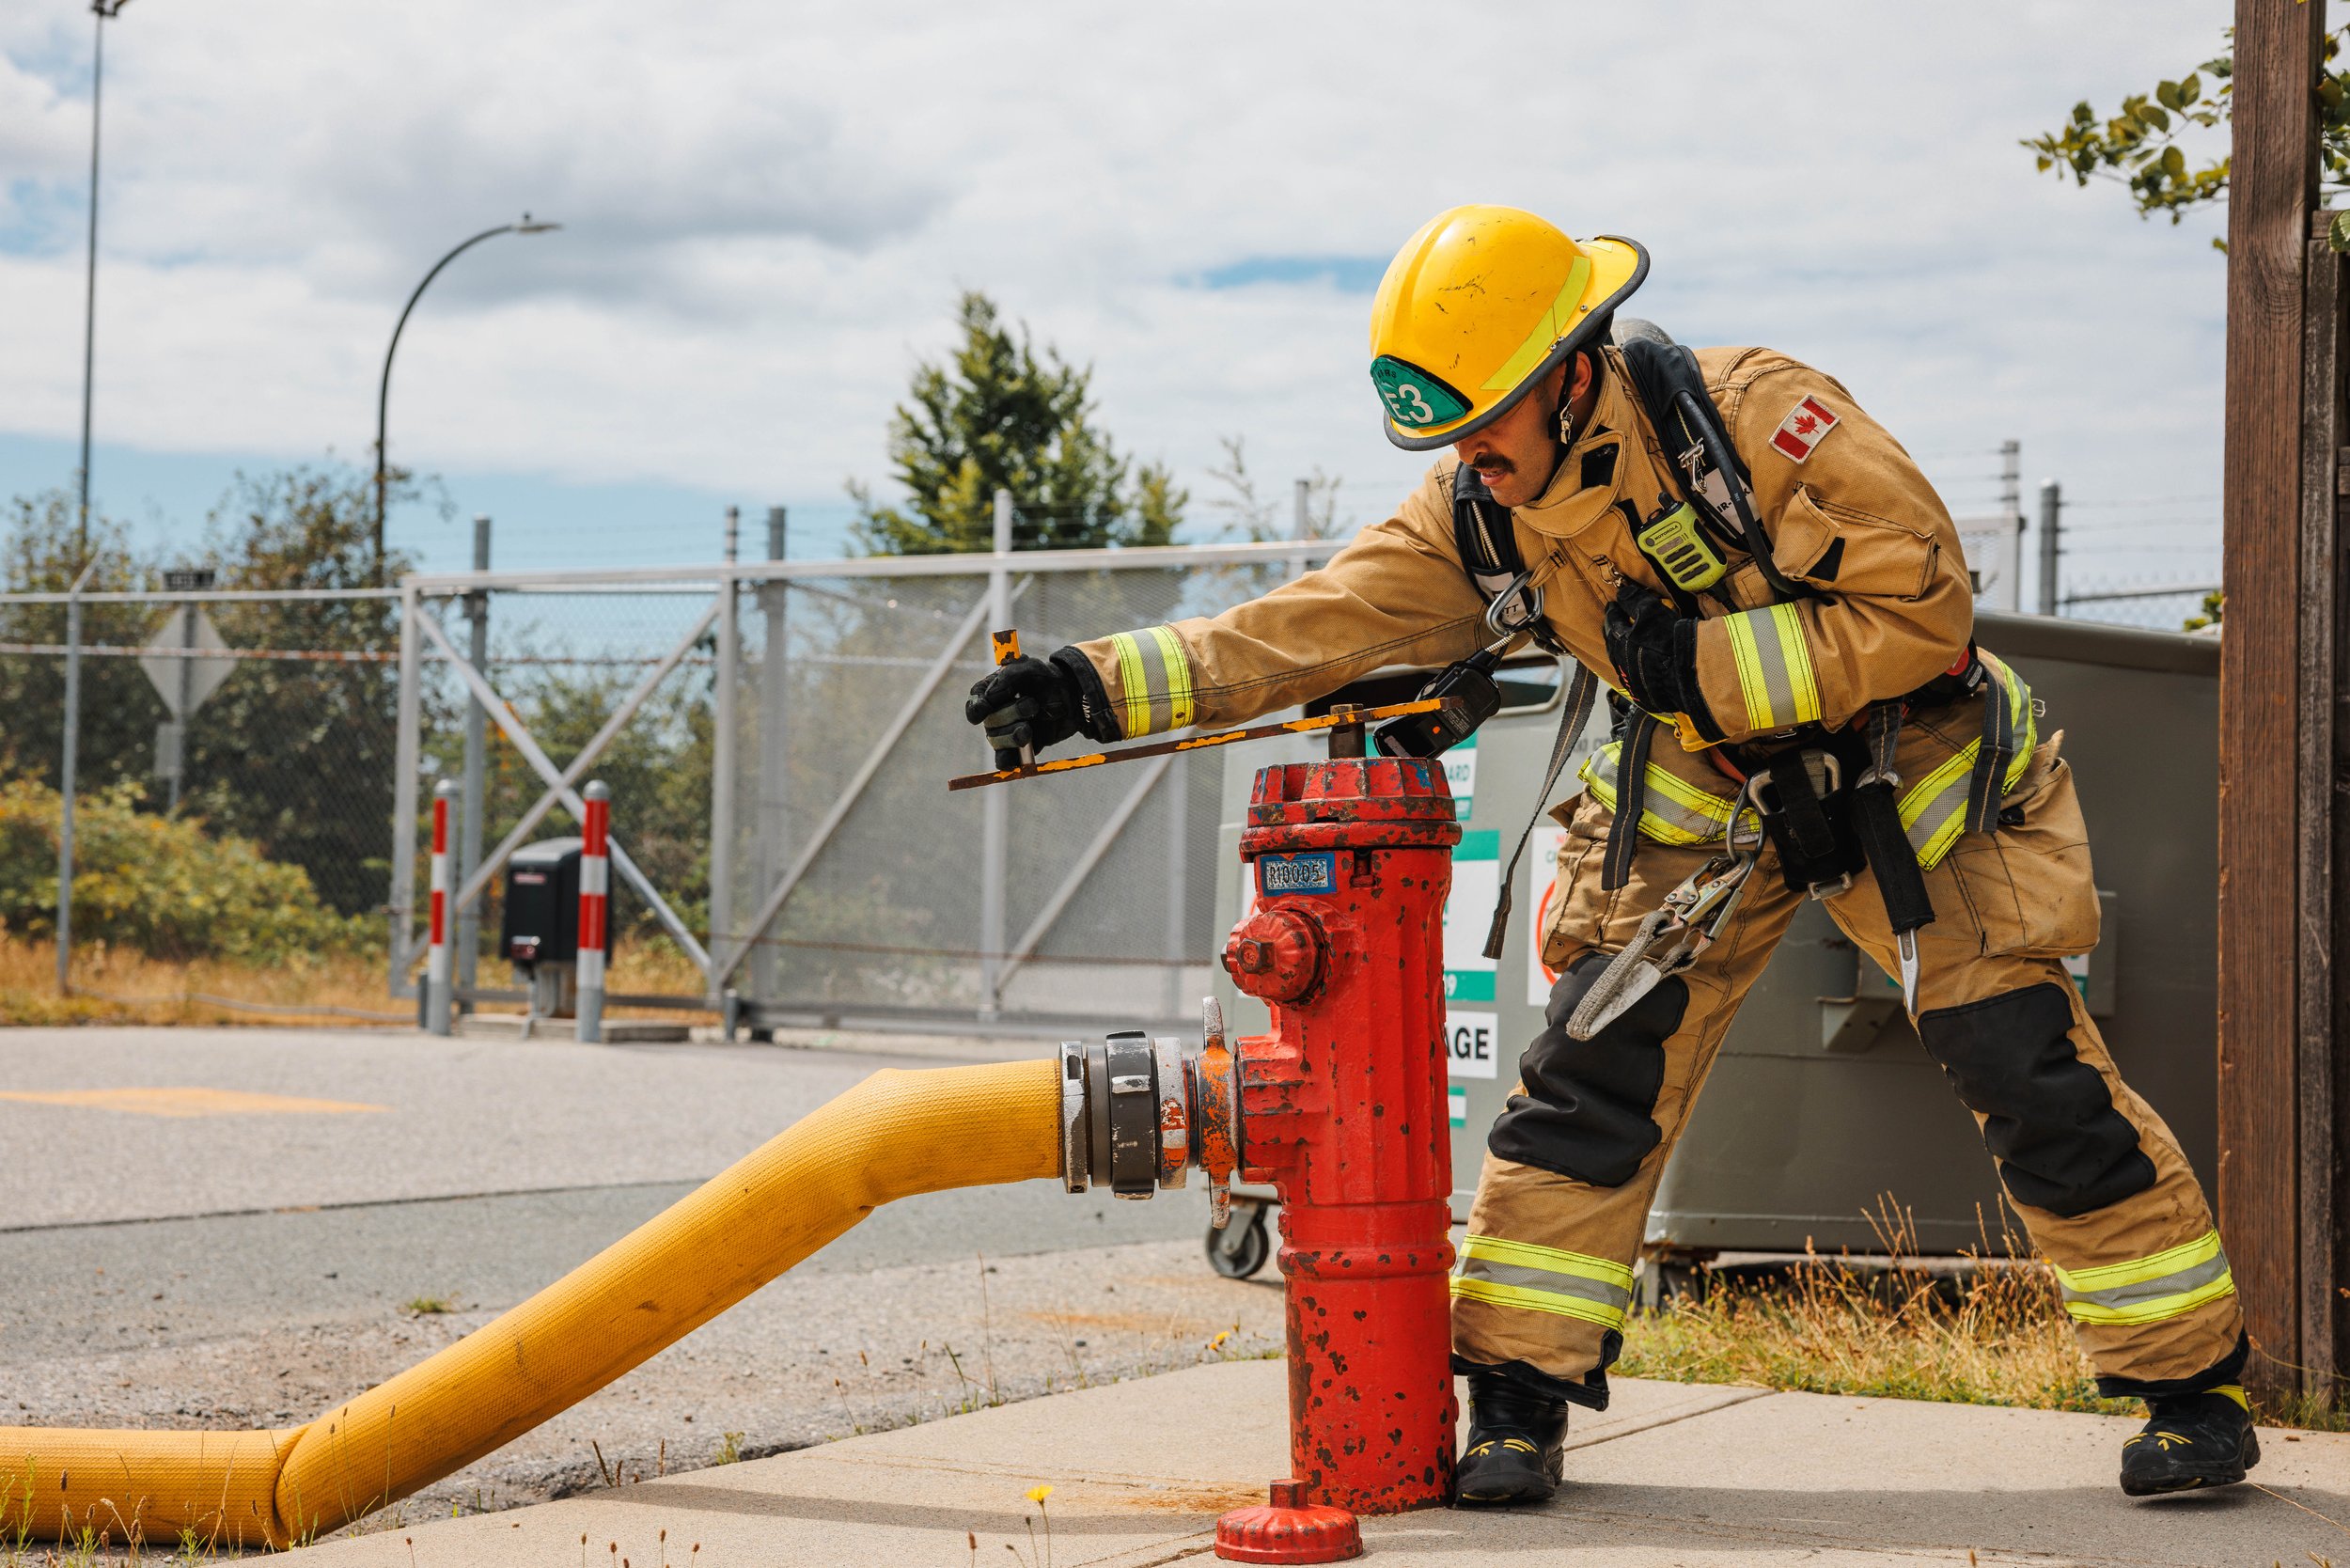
point(160, 885)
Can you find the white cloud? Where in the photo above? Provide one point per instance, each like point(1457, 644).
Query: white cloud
point(770, 207)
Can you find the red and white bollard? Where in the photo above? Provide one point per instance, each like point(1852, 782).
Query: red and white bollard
point(438, 1003)
point(595, 887)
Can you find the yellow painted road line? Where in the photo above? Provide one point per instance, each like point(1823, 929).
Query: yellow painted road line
point(184, 1101)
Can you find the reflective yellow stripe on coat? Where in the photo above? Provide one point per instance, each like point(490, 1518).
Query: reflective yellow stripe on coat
point(1934, 810)
point(2167, 1284)
point(1543, 1279)
point(1673, 809)
point(1774, 672)
point(1155, 679)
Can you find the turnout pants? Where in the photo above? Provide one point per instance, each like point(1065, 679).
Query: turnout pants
point(1544, 1275)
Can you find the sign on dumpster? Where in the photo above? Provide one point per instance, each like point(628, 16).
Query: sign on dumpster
point(1470, 1022)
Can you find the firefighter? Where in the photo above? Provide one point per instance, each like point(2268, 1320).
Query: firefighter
point(1776, 598)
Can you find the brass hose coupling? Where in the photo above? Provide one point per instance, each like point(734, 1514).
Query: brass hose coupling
point(1138, 1113)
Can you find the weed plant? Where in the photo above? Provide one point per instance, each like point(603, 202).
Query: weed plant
point(1995, 1333)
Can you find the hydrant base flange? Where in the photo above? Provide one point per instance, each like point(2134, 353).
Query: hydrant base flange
point(1288, 1530)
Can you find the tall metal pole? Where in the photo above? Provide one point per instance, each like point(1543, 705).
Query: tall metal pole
point(995, 815)
point(64, 775)
point(774, 754)
point(383, 386)
point(101, 10)
point(2051, 508)
point(407, 764)
point(1304, 505)
point(722, 765)
point(472, 806)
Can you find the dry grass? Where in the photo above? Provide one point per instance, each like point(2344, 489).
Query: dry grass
point(115, 985)
point(1996, 1334)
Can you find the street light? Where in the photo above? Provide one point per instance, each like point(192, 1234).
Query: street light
point(383, 390)
point(103, 11)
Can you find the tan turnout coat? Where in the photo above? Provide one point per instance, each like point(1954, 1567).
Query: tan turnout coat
point(1853, 515)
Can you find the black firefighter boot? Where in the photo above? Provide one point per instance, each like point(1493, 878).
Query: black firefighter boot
point(1516, 1444)
point(2191, 1441)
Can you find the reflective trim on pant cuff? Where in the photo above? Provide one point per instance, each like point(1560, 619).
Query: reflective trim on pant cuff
point(2163, 1285)
point(1527, 1299)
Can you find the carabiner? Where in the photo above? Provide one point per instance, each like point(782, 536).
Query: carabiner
point(1499, 619)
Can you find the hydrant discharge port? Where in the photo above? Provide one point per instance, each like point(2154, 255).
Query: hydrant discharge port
point(1130, 1106)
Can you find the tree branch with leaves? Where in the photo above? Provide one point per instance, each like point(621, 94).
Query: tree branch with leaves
point(2143, 145)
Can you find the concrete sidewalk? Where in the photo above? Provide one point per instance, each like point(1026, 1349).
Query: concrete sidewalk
point(1673, 1474)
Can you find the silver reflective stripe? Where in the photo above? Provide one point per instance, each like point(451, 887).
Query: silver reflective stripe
point(1158, 680)
point(2124, 1297)
point(1935, 827)
point(1523, 1277)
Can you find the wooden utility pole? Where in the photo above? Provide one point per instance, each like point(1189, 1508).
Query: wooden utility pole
point(2282, 671)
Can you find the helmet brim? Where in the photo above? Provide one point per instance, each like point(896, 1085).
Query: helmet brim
point(1581, 336)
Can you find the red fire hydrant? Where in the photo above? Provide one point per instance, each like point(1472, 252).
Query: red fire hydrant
point(1343, 1108)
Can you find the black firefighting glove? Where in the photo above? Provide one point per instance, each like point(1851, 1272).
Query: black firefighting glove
point(1655, 654)
point(1040, 702)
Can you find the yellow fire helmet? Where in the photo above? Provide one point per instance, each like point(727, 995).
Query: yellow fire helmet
point(1477, 306)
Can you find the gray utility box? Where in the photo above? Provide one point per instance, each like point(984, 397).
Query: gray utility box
point(1821, 1104)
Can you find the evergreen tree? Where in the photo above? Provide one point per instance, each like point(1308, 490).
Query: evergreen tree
point(999, 416)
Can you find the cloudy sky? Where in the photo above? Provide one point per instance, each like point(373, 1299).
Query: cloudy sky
point(769, 209)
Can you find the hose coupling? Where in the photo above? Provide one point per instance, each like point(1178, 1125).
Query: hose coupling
point(1138, 1113)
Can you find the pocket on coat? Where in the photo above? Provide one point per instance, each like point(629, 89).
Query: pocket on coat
point(2030, 888)
point(1850, 551)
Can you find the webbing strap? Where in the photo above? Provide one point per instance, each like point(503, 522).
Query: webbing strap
point(1630, 800)
point(1576, 711)
point(1998, 747)
point(1876, 820)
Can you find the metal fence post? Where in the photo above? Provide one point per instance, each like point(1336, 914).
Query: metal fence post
point(66, 764)
point(436, 987)
point(995, 814)
point(722, 762)
point(477, 745)
point(595, 890)
point(407, 745)
point(1178, 881)
point(774, 824)
point(2051, 507)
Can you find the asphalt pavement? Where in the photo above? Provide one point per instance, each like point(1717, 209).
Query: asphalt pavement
point(234, 1228)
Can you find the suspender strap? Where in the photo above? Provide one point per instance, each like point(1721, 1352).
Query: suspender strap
point(1707, 469)
point(1623, 832)
point(1487, 542)
point(1996, 752)
point(1574, 713)
point(1876, 820)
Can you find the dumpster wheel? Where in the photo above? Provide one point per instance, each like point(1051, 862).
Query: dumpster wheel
point(1240, 1249)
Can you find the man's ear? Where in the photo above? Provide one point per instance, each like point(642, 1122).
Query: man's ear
point(1582, 378)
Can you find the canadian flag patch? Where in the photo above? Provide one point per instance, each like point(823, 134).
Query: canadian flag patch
point(1805, 424)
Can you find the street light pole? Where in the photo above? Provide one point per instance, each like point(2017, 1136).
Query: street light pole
point(383, 388)
point(102, 11)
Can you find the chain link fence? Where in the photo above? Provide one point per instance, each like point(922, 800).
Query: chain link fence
point(286, 744)
point(777, 739)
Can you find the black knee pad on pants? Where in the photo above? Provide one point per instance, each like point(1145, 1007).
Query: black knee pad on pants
point(1588, 1109)
point(2047, 1118)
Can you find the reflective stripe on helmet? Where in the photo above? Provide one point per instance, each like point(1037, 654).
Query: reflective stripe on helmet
point(2152, 1289)
point(1673, 809)
point(1543, 1279)
point(1774, 667)
point(1154, 679)
point(1549, 328)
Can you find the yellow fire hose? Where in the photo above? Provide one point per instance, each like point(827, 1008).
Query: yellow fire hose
point(895, 1135)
